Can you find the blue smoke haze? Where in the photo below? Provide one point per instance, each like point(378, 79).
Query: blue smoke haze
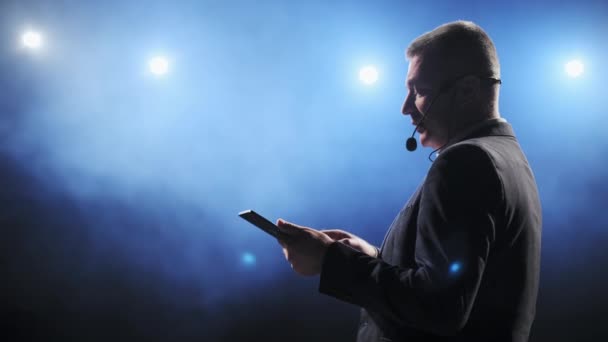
point(141, 177)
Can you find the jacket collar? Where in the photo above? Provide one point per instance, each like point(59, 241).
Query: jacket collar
point(489, 127)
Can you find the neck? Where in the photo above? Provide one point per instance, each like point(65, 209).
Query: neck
point(469, 117)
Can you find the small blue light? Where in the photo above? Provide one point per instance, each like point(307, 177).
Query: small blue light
point(455, 267)
point(248, 259)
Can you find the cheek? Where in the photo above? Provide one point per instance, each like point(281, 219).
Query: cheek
point(421, 104)
point(426, 107)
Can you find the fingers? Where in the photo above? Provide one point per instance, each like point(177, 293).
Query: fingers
point(336, 234)
point(361, 246)
point(346, 241)
point(282, 241)
point(289, 228)
point(303, 247)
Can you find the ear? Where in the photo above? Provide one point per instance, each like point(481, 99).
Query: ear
point(468, 90)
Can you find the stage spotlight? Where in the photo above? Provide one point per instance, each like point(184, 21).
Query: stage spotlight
point(574, 68)
point(368, 75)
point(31, 40)
point(248, 259)
point(159, 65)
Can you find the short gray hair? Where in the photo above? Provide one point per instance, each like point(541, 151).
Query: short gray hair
point(459, 46)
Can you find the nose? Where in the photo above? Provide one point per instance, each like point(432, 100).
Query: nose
point(408, 104)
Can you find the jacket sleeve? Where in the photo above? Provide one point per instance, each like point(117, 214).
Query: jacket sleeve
point(455, 232)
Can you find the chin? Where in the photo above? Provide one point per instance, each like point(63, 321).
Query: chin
point(424, 140)
point(427, 141)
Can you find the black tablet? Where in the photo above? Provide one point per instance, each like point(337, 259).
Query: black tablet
point(260, 222)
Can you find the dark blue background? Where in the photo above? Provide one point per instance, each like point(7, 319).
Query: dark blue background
point(122, 188)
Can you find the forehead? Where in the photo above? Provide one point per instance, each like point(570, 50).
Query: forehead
point(421, 72)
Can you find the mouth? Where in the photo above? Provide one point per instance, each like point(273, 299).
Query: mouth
point(416, 119)
point(418, 125)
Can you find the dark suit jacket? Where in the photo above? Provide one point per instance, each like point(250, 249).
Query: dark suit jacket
point(461, 260)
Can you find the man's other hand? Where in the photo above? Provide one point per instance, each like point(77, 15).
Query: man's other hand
point(353, 241)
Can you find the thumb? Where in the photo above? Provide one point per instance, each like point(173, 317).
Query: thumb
point(287, 227)
point(346, 241)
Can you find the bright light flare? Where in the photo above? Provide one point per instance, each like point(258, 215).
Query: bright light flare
point(455, 267)
point(159, 65)
point(368, 75)
point(32, 39)
point(574, 68)
point(248, 259)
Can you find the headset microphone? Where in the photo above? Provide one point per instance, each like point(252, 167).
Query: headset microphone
point(411, 144)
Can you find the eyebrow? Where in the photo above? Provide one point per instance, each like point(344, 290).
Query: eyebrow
point(415, 82)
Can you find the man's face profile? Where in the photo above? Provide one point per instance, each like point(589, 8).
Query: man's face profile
point(423, 89)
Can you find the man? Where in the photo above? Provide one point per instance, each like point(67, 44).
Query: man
point(460, 262)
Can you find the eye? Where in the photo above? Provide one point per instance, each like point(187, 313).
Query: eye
point(422, 91)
